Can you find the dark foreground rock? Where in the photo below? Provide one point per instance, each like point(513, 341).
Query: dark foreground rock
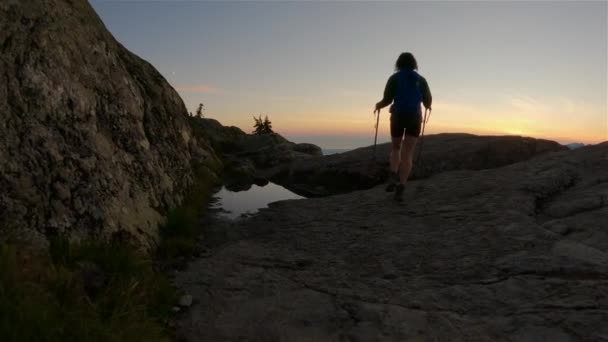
point(262, 151)
point(93, 141)
point(246, 155)
point(358, 169)
point(516, 253)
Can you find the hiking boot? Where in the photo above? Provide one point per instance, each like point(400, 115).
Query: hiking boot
point(393, 180)
point(399, 192)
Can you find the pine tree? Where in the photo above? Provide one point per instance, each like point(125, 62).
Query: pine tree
point(258, 129)
point(267, 125)
point(199, 111)
point(262, 126)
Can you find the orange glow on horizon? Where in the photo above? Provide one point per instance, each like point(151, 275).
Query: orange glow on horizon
point(525, 120)
point(367, 129)
point(436, 128)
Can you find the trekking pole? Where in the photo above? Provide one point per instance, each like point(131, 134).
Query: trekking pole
point(424, 121)
point(376, 136)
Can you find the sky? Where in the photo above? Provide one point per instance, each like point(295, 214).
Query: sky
point(317, 68)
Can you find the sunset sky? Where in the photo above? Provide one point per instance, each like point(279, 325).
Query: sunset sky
point(317, 69)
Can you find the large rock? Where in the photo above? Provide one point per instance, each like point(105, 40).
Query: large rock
point(93, 140)
point(360, 169)
point(262, 151)
point(517, 253)
point(223, 139)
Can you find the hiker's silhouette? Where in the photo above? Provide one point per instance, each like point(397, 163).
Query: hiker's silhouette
point(406, 89)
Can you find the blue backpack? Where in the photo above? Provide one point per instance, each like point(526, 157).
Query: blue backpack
point(408, 95)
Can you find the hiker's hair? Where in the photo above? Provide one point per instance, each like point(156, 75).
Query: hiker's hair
point(406, 61)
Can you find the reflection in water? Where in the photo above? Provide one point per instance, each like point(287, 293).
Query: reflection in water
point(234, 204)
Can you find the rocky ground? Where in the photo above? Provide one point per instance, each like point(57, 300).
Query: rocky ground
point(516, 253)
point(359, 169)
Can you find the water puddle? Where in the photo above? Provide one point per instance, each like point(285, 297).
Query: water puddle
point(233, 205)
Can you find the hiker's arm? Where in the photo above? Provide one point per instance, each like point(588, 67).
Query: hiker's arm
point(389, 94)
point(427, 98)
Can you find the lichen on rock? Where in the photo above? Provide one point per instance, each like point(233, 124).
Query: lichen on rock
point(93, 140)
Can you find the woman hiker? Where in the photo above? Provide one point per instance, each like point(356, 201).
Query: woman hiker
point(405, 89)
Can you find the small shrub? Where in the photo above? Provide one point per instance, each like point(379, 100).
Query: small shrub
point(199, 111)
point(179, 235)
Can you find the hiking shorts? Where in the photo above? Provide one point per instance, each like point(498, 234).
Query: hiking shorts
point(408, 125)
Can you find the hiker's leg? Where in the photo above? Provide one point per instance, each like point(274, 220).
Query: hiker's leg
point(395, 153)
point(407, 156)
point(396, 138)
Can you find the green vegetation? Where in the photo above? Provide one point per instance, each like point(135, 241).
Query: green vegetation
point(179, 235)
point(262, 126)
point(51, 297)
point(97, 291)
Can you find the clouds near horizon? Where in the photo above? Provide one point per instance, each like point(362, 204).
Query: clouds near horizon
point(201, 88)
